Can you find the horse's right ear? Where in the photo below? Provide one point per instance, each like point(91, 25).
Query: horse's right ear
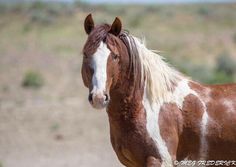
point(116, 27)
point(88, 24)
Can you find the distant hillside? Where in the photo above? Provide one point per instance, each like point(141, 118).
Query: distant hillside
point(23, 1)
point(125, 1)
point(198, 39)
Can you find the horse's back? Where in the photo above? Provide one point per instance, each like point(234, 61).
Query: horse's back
point(222, 99)
point(219, 121)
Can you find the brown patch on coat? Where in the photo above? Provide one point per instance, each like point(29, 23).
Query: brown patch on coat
point(189, 140)
point(171, 125)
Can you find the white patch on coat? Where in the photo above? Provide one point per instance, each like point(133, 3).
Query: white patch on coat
point(152, 116)
point(229, 105)
point(204, 144)
point(99, 65)
point(204, 122)
point(181, 91)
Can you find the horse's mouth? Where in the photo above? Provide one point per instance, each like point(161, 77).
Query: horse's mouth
point(99, 105)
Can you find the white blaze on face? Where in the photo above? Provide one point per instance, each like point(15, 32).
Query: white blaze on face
point(99, 65)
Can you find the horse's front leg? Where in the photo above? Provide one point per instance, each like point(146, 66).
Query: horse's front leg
point(153, 162)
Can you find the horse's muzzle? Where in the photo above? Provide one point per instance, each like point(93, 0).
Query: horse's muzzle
point(99, 100)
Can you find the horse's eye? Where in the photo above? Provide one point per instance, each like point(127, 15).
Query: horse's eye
point(115, 57)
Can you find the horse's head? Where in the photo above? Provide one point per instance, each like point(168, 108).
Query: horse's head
point(104, 53)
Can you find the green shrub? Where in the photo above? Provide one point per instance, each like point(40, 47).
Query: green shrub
point(226, 64)
point(38, 5)
point(83, 5)
point(135, 21)
point(199, 72)
point(112, 9)
point(46, 13)
point(54, 127)
point(204, 11)
point(3, 9)
point(225, 69)
point(153, 9)
point(224, 72)
point(26, 28)
point(32, 79)
point(41, 17)
point(220, 77)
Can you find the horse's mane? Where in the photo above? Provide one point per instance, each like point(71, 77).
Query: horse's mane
point(135, 68)
point(153, 72)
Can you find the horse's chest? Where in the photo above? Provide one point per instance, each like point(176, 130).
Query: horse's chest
point(132, 143)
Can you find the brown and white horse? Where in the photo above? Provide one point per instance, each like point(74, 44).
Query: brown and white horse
point(156, 114)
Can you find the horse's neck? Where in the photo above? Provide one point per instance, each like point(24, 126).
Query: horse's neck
point(150, 75)
point(126, 103)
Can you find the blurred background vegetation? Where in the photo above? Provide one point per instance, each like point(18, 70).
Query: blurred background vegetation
point(199, 39)
point(43, 104)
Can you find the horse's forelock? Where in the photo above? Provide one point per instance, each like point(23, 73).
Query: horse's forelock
point(98, 34)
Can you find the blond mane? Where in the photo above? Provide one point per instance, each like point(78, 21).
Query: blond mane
point(158, 77)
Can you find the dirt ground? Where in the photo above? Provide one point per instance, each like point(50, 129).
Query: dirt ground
point(53, 126)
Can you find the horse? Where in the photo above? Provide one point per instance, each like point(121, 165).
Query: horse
point(157, 115)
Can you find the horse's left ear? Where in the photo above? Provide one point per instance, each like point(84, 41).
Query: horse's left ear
point(88, 24)
point(116, 27)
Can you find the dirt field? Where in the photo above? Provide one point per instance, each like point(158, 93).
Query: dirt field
point(53, 126)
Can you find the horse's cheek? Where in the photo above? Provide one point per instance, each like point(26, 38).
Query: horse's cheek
point(85, 76)
point(112, 73)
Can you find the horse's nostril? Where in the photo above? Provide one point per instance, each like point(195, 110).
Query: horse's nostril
point(90, 97)
point(106, 97)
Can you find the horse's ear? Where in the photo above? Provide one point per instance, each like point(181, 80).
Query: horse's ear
point(88, 24)
point(116, 27)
